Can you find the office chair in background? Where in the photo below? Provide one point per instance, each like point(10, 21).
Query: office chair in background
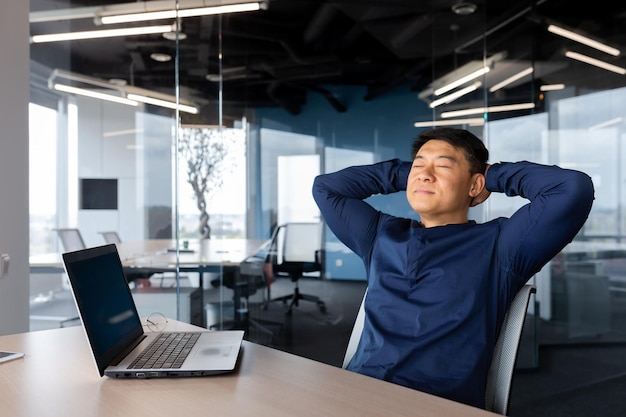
point(500, 376)
point(295, 250)
point(111, 237)
point(137, 278)
point(71, 239)
point(247, 282)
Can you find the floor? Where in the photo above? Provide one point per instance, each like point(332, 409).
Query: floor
point(557, 378)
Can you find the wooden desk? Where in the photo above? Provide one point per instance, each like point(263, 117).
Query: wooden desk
point(57, 377)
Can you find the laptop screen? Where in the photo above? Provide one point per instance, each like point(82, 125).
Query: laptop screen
point(104, 301)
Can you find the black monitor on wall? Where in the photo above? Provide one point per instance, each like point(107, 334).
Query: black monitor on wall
point(98, 194)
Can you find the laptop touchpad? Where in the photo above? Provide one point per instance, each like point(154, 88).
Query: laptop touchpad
point(215, 351)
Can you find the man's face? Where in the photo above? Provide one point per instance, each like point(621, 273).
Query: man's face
point(440, 186)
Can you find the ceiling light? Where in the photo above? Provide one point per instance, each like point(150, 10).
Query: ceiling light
point(171, 36)
point(163, 103)
point(607, 123)
point(164, 9)
point(63, 14)
point(94, 94)
point(551, 87)
point(511, 79)
point(491, 109)
point(477, 121)
point(459, 93)
point(95, 34)
point(460, 81)
point(128, 94)
point(583, 39)
point(123, 132)
point(160, 57)
point(464, 8)
point(596, 62)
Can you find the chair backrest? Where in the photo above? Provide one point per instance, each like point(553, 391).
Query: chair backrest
point(111, 237)
point(71, 239)
point(355, 336)
point(502, 365)
point(298, 242)
point(500, 376)
point(251, 276)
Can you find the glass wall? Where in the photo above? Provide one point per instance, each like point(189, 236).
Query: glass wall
point(243, 163)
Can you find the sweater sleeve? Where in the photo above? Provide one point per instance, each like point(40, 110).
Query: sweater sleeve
point(560, 202)
point(340, 196)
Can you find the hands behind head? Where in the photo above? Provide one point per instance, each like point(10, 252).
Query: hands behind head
point(484, 194)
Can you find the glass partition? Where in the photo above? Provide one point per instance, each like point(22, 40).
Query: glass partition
point(274, 112)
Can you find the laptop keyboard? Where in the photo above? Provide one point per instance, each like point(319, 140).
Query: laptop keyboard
point(168, 350)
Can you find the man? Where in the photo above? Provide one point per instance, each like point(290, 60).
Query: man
point(438, 288)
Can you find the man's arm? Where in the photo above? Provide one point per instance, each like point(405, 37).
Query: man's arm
point(340, 196)
point(560, 202)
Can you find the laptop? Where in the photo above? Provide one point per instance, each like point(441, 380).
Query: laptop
point(115, 331)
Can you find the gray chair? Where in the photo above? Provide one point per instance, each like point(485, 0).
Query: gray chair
point(111, 237)
point(500, 374)
point(139, 278)
point(71, 239)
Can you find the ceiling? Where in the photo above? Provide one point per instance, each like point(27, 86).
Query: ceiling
point(278, 56)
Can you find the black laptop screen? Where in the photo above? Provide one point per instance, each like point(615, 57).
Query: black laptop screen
point(104, 300)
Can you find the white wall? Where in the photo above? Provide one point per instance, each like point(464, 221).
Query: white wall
point(124, 143)
point(14, 229)
point(105, 151)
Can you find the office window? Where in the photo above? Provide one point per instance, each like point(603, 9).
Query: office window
point(42, 178)
point(226, 190)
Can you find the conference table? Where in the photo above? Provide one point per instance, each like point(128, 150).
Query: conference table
point(168, 255)
point(57, 377)
point(164, 254)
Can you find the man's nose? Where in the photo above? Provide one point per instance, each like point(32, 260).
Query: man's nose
point(425, 174)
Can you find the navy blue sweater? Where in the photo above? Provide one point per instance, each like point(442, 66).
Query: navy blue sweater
point(437, 296)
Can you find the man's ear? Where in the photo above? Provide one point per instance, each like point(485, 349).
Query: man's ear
point(478, 192)
point(477, 185)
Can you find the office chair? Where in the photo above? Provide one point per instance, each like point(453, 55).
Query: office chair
point(295, 250)
point(245, 283)
point(71, 239)
point(111, 237)
point(500, 374)
point(137, 278)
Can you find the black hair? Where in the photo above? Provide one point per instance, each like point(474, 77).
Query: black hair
point(475, 151)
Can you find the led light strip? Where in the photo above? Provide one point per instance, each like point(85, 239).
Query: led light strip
point(107, 33)
point(552, 87)
point(451, 97)
point(595, 62)
point(172, 14)
point(163, 103)
point(583, 39)
point(95, 94)
point(478, 121)
point(511, 79)
point(491, 109)
point(461, 81)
